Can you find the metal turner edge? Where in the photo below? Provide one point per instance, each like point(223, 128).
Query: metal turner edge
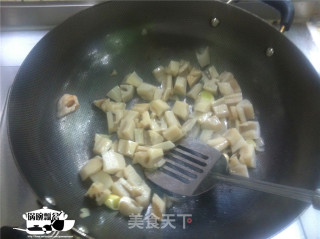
point(192, 168)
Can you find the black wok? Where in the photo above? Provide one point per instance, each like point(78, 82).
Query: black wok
point(78, 56)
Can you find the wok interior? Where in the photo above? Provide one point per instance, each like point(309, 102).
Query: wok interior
point(78, 58)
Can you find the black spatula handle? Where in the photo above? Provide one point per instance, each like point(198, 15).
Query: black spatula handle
point(286, 9)
point(7, 232)
point(304, 195)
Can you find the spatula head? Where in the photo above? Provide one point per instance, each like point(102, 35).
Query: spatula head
point(188, 168)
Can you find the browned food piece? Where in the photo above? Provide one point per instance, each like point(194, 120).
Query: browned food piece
point(67, 104)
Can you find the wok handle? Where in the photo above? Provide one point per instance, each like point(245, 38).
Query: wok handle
point(304, 195)
point(7, 232)
point(286, 9)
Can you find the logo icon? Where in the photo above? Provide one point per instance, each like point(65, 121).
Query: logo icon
point(44, 221)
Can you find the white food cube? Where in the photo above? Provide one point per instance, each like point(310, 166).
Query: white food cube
point(245, 110)
point(203, 57)
point(167, 83)
point(194, 132)
point(113, 162)
point(202, 105)
point(212, 123)
point(202, 117)
point(154, 137)
point(173, 133)
point(98, 103)
point(102, 143)
point(221, 111)
point(194, 76)
point(142, 148)
point(250, 130)
point(134, 79)
point(118, 115)
point(171, 119)
point(115, 94)
point(248, 155)
point(98, 192)
point(101, 198)
point(205, 135)
point(168, 88)
point(166, 94)
point(233, 99)
point(195, 90)
point(132, 176)
point(211, 86)
point(134, 190)
point(181, 109)
point(213, 72)
point(119, 174)
point(180, 86)
point(235, 139)
point(220, 143)
point(226, 76)
point(159, 73)
point(127, 147)
point(126, 129)
point(218, 102)
point(108, 105)
point(159, 107)
point(158, 94)
point(128, 206)
point(130, 115)
point(154, 154)
point(141, 107)
point(102, 177)
point(249, 125)
point(146, 91)
point(184, 68)
point(160, 163)
point(237, 168)
point(162, 124)
point(165, 146)
point(145, 120)
point(188, 125)
point(225, 88)
point(93, 166)
point(158, 206)
point(233, 115)
point(139, 136)
point(118, 189)
point(114, 146)
point(112, 126)
point(141, 157)
point(154, 125)
point(94, 189)
point(173, 68)
point(127, 92)
point(235, 86)
point(144, 199)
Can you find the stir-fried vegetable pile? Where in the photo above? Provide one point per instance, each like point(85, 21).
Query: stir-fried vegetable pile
point(187, 102)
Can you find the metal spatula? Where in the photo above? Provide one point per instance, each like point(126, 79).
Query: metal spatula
point(193, 167)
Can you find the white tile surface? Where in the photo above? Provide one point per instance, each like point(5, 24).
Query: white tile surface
point(310, 221)
point(16, 45)
point(294, 231)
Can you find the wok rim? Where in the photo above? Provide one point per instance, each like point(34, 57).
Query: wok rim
point(79, 14)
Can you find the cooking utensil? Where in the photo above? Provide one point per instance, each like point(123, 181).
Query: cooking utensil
point(188, 172)
point(186, 168)
point(78, 57)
